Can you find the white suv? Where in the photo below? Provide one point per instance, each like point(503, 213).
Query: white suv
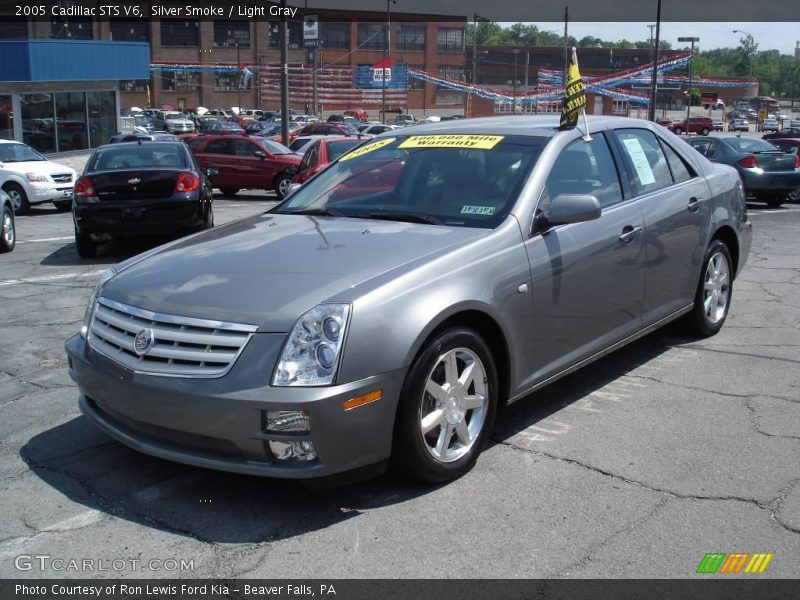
point(29, 178)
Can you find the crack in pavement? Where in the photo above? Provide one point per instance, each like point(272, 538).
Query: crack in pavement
point(714, 392)
point(771, 506)
point(757, 425)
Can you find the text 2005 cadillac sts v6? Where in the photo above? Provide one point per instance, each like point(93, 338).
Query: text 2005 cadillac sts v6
point(382, 312)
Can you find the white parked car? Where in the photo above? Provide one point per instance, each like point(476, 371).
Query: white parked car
point(377, 128)
point(302, 143)
point(29, 178)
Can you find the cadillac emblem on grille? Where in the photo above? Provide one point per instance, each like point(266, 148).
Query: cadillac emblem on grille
point(143, 341)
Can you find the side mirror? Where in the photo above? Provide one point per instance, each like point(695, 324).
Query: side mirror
point(211, 171)
point(293, 187)
point(573, 208)
point(260, 154)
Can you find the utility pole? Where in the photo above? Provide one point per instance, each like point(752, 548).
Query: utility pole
point(651, 109)
point(689, 85)
point(566, 44)
point(284, 75)
point(474, 60)
point(240, 78)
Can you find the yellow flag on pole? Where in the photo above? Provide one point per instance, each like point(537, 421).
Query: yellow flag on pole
point(574, 94)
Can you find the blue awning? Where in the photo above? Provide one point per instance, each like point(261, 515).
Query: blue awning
point(73, 60)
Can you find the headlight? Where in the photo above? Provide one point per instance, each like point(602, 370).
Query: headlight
point(104, 278)
point(312, 350)
point(35, 178)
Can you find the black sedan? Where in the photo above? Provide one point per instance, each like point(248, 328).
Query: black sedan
point(786, 132)
point(768, 173)
point(136, 189)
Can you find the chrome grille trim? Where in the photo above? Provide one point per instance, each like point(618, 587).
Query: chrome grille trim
point(62, 177)
point(184, 346)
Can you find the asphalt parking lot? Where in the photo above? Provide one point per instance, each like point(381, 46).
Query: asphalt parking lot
point(633, 467)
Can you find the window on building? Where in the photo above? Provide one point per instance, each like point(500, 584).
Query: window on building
point(227, 81)
point(38, 120)
point(411, 37)
point(133, 85)
point(228, 33)
point(335, 35)
point(13, 27)
point(619, 107)
point(6, 119)
point(175, 32)
point(75, 28)
point(71, 130)
point(451, 72)
point(444, 96)
point(182, 81)
point(295, 34)
point(449, 39)
point(127, 30)
point(371, 36)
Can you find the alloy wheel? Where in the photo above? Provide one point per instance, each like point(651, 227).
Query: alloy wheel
point(716, 288)
point(8, 229)
point(454, 405)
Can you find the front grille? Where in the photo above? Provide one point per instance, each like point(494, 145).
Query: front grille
point(62, 177)
point(181, 346)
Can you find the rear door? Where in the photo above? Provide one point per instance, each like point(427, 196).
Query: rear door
point(588, 278)
point(220, 154)
point(257, 171)
point(675, 204)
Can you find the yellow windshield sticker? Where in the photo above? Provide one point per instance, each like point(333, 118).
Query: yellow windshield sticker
point(481, 142)
point(360, 151)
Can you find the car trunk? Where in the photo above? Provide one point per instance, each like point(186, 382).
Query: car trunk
point(775, 161)
point(138, 184)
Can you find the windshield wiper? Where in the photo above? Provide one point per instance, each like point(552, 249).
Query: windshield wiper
point(316, 212)
point(409, 217)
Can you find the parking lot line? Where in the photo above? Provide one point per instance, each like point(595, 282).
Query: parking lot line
point(52, 239)
point(44, 278)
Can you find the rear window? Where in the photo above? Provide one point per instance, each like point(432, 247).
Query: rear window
point(750, 145)
point(336, 149)
point(138, 156)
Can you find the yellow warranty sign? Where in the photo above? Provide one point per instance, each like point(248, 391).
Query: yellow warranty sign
point(361, 150)
point(481, 142)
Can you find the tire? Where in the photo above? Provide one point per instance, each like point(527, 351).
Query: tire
point(442, 454)
point(62, 205)
point(717, 276)
point(281, 187)
point(705, 131)
point(19, 199)
point(774, 201)
point(8, 235)
point(87, 248)
point(678, 131)
point(229, 191)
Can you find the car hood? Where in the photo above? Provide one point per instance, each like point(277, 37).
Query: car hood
point(40, 167)
point(269, 269)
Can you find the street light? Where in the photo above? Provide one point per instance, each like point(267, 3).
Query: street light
point(689, 86)
point(516, 60)
point(749, 51)
point(386, 50)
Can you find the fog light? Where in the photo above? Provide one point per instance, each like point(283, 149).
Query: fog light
point(293, 451)
point(287, 420)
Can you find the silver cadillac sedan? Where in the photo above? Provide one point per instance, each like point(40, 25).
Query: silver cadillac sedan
point(381, 313)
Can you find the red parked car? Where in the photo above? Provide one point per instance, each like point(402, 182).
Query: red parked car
point(701, 125)
point(322, 152)
point(358, 113)
point(244, 162)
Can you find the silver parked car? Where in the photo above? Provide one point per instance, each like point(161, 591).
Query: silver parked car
point(382, 312)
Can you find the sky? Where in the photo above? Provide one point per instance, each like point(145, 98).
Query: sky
point(768, 36)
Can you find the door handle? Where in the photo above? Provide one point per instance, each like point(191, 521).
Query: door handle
point(694, 204)
point(629, 233)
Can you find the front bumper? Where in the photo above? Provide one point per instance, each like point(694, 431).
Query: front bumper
point(48, 192)
point(219, 423)
point(144, 217)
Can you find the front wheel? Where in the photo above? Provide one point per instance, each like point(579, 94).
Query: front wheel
point(704, 132)
point(229, 191)
point(62, 205)
point(714, 292)
point(282, 184)
point(774, 201)
point(8, 236)
point(678, 131)
point(447, 408)
point(19, 199)
point(87, 247)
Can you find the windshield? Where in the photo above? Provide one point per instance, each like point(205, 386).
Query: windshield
point(454, 180)
point(138, 156)
point(18, 153)
point(274, 147)
point(173, 116)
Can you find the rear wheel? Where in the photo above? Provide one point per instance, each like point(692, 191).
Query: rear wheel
point(87, 247)
point(704, 132)
point(8, 236)
point(281, 187)
point(714, 292)
point(229, 191)
point(774, 201)
point(447, 408)
point(19, 199)
point(62, 205)
point(678, 131)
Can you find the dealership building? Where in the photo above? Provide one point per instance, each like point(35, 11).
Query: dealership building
point(62, 95)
